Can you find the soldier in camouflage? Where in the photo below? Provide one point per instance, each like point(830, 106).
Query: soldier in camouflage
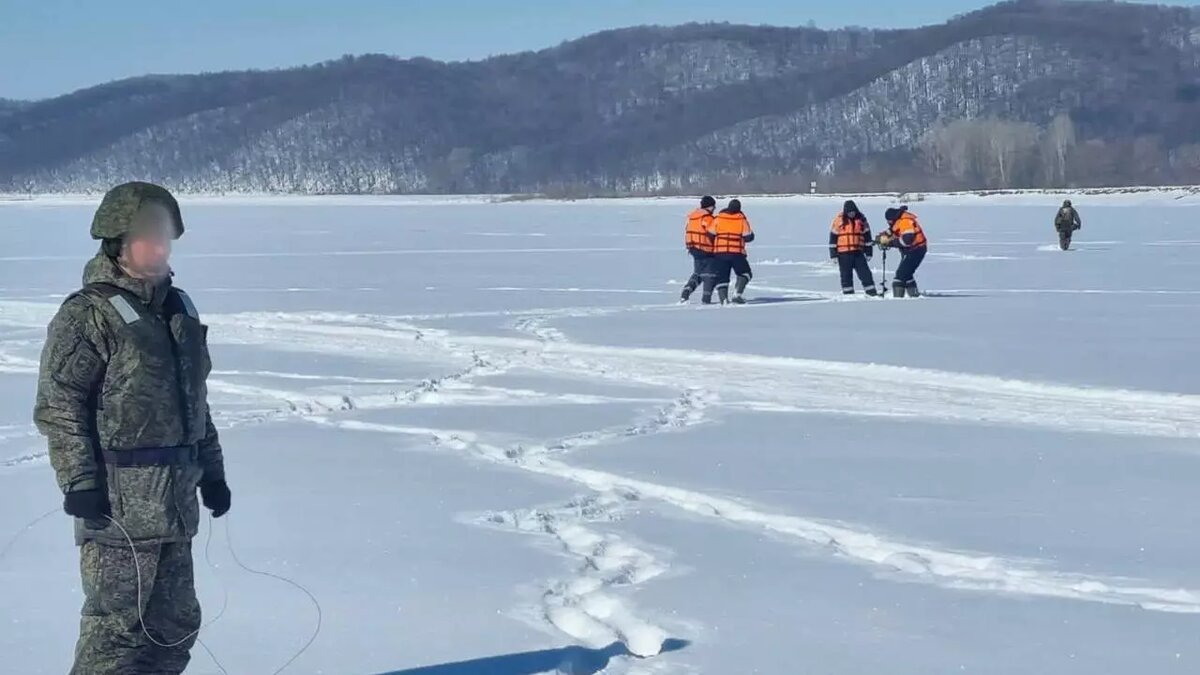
point(122, 402)
point(1067, 223)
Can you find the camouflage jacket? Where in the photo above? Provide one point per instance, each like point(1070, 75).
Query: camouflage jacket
point(124, 369)
point(1067, 220)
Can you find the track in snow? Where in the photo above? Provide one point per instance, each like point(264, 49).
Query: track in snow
point(592, 603)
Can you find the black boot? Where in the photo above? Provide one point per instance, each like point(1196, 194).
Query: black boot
point(913, 291)
point(687, 293)
point(847, 291)
point(723, 293)
point(898, 289)
point(742, 282)
point(871, 292)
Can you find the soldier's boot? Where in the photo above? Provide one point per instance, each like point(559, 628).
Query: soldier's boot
point(913, 291)
point(898, 289)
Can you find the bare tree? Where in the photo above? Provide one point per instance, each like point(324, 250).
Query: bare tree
point(932, 148)
point(1186, 161)
point(1009, 144)
point(1058, 140)
point(961, 144)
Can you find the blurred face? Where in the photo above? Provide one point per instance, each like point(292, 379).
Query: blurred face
point(147, 250)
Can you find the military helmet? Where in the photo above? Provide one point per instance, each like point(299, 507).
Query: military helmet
point(119, 205)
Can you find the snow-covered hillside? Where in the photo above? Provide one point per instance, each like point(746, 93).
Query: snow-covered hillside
point(488, 440)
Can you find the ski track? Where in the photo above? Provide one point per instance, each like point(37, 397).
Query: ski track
point(834, 387)
point(592, 604)
point(685, 411)
point(603, 291)
point(320, 404)
point(943, 567)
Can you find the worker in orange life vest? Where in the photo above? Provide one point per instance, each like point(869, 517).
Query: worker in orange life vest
point(699, 245)
point(731, 232)
point(850, 244)
point(905, 232)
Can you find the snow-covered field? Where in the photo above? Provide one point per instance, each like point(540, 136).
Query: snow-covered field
point(488, 441)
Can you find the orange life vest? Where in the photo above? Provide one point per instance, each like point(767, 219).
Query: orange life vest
point(730, 230)
point(851, 234)
point(907, 224)
point(696, 237)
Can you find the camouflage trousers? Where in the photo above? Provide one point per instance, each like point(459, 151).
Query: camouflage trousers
point(111, 640)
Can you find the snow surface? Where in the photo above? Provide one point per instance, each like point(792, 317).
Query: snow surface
point(488, 440)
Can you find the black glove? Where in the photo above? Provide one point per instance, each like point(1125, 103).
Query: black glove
point(87, 504)
point(868, 251)
point(216, 497)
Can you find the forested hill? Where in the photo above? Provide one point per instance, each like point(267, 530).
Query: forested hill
point(1025, 93)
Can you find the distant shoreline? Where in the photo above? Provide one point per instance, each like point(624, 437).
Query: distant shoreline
point(1173, 192)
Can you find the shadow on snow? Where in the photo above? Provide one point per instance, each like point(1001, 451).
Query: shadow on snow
point(567, 660)
point(783, 299)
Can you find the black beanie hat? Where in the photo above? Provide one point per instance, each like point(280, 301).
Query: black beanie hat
point(850, 206)
point(735, 206)
point(707, 202)
point(892, 214)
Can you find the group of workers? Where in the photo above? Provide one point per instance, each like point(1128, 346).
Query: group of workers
point(851, 245)
point(717, 244)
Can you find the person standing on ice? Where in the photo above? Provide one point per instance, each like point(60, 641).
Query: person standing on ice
point(730, 232)
point(122, 401)
point(905, 232)
point(850, 245)
point(1067, 222)
point(699, 245)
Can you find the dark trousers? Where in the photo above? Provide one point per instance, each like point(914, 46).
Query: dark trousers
point(910, 260)
point(1064, 240)
point(722, 265)
point(850, 263)
point(701, 269)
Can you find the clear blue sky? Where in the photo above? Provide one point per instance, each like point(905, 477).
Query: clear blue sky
point(51, 47)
